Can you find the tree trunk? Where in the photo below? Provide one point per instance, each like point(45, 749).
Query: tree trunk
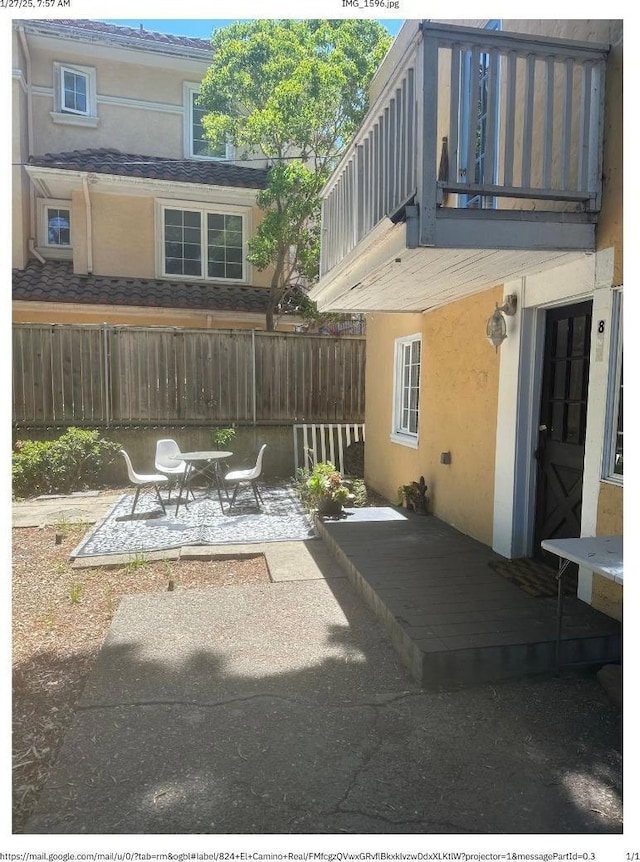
point(275, 292)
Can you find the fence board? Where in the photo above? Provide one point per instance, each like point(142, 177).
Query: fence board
point(89, 375)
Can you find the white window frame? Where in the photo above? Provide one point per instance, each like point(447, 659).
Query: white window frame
point(190, 90)
point(52, 250)
point(69, 116)
point(400, 433)
point(613, 396)
point(204, 209)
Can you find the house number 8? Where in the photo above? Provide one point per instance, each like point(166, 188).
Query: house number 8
point(600, 327)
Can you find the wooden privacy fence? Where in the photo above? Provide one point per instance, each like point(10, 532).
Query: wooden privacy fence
point(105, 375)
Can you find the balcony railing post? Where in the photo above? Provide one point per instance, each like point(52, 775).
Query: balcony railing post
point(428, 140)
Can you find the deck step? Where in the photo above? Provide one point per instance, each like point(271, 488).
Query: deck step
point(450, 616)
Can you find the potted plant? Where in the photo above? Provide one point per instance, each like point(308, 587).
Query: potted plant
point(326, 490)
point(414, 496)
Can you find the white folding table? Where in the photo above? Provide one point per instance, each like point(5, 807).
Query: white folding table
point(601, 554)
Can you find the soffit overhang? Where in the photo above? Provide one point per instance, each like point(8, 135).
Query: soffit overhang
point(382, 274)
point(61, 183)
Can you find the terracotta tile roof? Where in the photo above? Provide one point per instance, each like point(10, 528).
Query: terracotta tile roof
point(111, 161)
point(55, 281)
point(101, 30)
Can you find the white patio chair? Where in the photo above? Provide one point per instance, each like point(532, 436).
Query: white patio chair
point(141, 480)
point(238, 477)
point(166, 453)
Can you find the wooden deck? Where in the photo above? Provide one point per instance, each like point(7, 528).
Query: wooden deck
point(452, 618)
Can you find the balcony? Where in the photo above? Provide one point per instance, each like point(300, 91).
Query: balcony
point(480, 160)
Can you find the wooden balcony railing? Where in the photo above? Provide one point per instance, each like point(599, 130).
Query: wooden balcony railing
point(378, 174)
point(472, 118)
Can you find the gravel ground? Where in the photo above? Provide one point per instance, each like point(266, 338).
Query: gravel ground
point(60, 618)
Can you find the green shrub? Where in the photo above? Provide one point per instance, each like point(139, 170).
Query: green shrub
point(359, 492)
point(308, 483)
point(74, 461)
point(222, 437)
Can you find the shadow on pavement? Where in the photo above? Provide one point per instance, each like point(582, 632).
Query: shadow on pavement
point(283, 708)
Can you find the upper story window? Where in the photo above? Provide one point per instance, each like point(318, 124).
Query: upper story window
point(406, 390)
point(201, 243)
point(54, 229)
point(74, 91)
point(58, 226)
point(196, 144)
point(74, 94)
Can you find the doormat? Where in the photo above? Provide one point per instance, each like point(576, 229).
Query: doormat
point(535, 578)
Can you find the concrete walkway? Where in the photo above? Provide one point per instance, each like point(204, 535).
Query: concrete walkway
point(283, 708)
point(84, 507)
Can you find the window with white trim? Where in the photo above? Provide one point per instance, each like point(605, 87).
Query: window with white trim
point(74, 93)
point(406, 390)
point(202, 243)
point(54, 228)
point(196, 144)
point(614, 467)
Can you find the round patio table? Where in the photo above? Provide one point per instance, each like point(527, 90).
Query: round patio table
point(198, 464)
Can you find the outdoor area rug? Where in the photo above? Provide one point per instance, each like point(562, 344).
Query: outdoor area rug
point(201, 522)
point(535, 578)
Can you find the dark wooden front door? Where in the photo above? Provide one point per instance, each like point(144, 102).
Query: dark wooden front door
point(563, 423)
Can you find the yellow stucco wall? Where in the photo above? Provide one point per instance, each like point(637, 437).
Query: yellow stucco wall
point(387, 465)
point(605, 595)
point(458, 409)
point(610, 513)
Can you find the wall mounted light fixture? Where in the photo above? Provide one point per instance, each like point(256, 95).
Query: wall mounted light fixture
point(497, 325)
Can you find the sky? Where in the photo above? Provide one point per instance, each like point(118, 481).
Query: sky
point(202, 27)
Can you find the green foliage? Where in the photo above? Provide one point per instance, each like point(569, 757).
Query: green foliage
point(359, 493)
point(138, 561)
point(222, 437)
point(74, 461)
point(75, 593)
point(414, 496)
point(325, 484)
point(295, 91)
point(309, 484)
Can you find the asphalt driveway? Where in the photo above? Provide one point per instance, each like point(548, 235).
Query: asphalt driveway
point(283, 709)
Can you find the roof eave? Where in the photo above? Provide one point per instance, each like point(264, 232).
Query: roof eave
point(42, 177)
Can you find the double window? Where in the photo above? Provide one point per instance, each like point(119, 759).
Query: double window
point(407, 390)
point(205, 244)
